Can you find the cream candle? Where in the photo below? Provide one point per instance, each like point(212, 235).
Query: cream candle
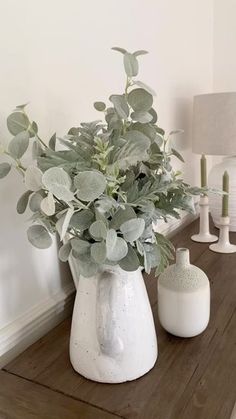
point(203, 164)
point(225, 198)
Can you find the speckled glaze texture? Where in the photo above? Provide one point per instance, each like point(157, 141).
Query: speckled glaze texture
point(113, 337)
point(183, 297)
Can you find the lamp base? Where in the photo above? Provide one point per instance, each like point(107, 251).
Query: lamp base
point(215, 182)
point(204, 238)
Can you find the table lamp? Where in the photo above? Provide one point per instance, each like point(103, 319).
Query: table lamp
point(214, 133)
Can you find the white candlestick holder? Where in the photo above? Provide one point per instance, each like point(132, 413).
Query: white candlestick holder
point(204, 235)
point(223, 245)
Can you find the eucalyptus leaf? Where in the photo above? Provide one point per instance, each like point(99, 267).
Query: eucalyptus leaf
point(90, 185)
point(17, 122)
point(141, 116)
point(140, 100)
point(130, 262)
point(122, 215)
point(98, 230)
point(132, 229)
point(4, 169)
point(98, 252)
point(99, 106)
point(57, 181)
point(130, 64)
point(82, 220)
point(23, 202)
point(120, 105)
point(116, 247)
point(19, 144)
point(145, 87)
point(65, 251)
point(146, 129)
point(33, 178)
point(35, 201)
point(39, 237)
point(47, 205)
point(80, 246)
point(154, 116)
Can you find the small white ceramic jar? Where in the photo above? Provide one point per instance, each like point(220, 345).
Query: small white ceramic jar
point(183, 297)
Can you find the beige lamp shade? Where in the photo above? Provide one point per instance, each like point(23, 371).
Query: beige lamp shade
point(214, 124)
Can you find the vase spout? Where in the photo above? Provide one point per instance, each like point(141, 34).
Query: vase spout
point(182, 257)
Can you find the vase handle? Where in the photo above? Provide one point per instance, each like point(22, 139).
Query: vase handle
point(109, 341)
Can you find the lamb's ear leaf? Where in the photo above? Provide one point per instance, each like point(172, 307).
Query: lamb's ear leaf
point(19, 144)
point(130, 64)
point(4, 169)
point(52, 142)
point(122, 50)
point(23, 202)
point(140, 52)
point(63, 223)
point(177, 154)
point(131, 261)
point(39, 237)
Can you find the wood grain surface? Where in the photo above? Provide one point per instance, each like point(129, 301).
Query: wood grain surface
point(193, 378)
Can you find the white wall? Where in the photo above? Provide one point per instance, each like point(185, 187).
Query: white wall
point(224, 43)
point(224, 58)
point(56, 55)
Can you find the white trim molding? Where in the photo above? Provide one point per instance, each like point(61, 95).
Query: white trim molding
point(35, 323)
point(174, 225)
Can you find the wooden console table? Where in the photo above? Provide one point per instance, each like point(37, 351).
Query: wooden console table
point(192, 379)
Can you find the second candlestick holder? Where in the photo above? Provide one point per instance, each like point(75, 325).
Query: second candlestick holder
point(204, 235)
point(223, 245)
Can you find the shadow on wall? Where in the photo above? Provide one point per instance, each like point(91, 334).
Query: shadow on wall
point(182, 117)
point(27, 275)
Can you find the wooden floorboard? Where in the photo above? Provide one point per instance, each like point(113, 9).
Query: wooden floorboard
point(23, 399)
point(192, 379)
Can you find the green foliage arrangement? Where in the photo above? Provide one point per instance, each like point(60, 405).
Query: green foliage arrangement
point(104, 190)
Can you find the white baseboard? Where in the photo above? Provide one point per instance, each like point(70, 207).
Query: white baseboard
point(174, 225)
point(36, 322)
